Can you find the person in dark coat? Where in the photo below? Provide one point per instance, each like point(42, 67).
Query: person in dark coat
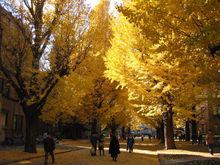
point(93, 140)
point(101, 145)
point(114, 148)
point(194, 139)
point(49, 146)
point(142, 138)
point(210, 140)
point(130, 143)
point(199, 137)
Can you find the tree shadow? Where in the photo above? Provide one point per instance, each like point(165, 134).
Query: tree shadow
point(185, 159)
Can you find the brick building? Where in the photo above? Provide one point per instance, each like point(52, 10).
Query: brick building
point(210, 111)
point(11, 115)
point(12, 122)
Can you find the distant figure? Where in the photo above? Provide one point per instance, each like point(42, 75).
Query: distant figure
point(114, 148)
point(194, 139)
point(183, 136)
point(130, 143)
point(142, 138)
point(179, 135)
point(210, 141)
point(149, 137)
point(101, 145)
point(49, 147)
point(93, 140)
point(199, 137)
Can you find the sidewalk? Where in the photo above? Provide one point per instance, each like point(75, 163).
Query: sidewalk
point(83, 157)
point(186, 153)
point(12, 154)
point(181, 157)
point(148, 150)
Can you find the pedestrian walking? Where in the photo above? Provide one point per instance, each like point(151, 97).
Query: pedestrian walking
point(93, 140)
point(142, 138)
point(130, 143)
point(210, 141)
point(101, 145)
point(114, 148)
point(194, 138)
point(199, 137)
point(49, 147)
point(149, 137)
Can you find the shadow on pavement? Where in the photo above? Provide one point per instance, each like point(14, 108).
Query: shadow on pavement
point(185, 159)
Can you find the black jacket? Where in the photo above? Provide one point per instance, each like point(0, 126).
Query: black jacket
point(114, 147)
point(49, 144)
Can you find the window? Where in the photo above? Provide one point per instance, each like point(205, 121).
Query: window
point(1, 85)
point(6, 89)
point(218, 95)
point(203, 126)
point(18, 123)
point(216, 129)
point(6, 118)
point(216, 111)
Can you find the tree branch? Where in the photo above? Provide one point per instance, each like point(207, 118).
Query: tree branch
point(8, 76)
point(42, 101)
point(214, 49)
point(30, 7)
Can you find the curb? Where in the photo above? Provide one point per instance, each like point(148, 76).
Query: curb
point(39, 156)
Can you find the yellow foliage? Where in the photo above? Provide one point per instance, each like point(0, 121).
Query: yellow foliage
point(161, 53)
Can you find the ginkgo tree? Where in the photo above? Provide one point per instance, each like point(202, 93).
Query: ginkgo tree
point(85, 94)
point(157, 84)
point(124, 64)
point(188, 31)
point(48, 43)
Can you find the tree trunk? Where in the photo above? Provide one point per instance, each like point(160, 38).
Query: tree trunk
point(123, 135)
point(113, 126)
point(160, 132)
point(193, 131)
point(168, 129)
point(128, 131)
point(187, 137)
point(194, 127)
point(31, 132)
point(94, 127)
point(162, 138)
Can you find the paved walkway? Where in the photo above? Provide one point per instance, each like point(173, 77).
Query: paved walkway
point(83, 157)
point(187, 155)
point(9, 154)
point(180, 157)
point(77, 153)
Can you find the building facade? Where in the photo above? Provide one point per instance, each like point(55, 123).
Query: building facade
point(12, 122)
point(209, 118)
